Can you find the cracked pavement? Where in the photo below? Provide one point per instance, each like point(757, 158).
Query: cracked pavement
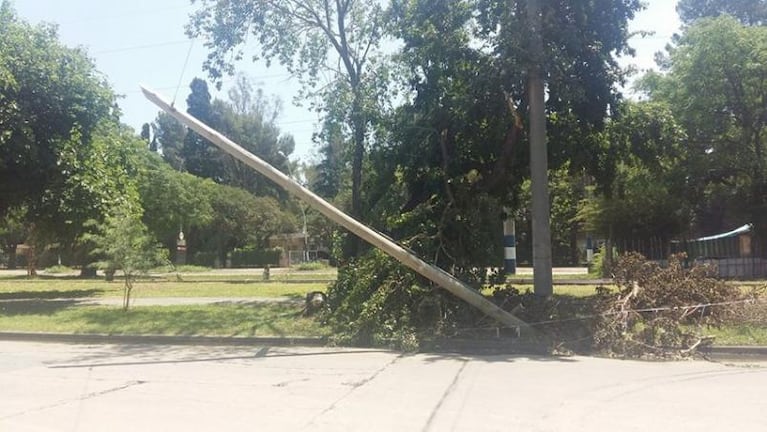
point(63, 387)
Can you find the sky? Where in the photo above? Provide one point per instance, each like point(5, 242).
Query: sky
point(143, 42)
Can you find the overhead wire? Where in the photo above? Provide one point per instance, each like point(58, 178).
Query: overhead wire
point(183, 70)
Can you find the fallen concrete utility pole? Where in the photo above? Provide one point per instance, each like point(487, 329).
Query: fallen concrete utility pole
point(433, 273)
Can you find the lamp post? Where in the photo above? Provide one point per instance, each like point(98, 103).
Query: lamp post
point(300, 206)
point(180, 248)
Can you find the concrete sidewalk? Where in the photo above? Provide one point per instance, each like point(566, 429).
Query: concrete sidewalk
point(162, 388)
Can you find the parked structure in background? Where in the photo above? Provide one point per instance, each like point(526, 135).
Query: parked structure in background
point(298, 248)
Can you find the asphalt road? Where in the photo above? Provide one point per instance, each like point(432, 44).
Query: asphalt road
point(58, 387)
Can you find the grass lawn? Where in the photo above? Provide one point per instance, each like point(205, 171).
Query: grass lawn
point(48, 288)
point(735, 334)
point(197, 320)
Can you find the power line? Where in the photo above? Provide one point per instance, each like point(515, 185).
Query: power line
point(124, 14)
point(142, 47)
point(183, 70)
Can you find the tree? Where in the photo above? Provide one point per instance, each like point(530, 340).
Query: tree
point(95, 182)
point(716, 89)
point(302, 35)
point(239, 219)
point(748, 12)
point(55, 110)
point(201, 158)
point(124, 243)
point(452, 149)
point(50, 95)
point(464, 125)
point(249, 118)
point(169, 136)
point(172, 200)
point(649, 196)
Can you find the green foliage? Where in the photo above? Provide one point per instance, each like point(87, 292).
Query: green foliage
point(59, 269)
point(173, 200)
point(714, 86)
point(250, 119)
point(646, 194)
point(307, 38)
point(749, 12)
point(124, 243)
point(98, 178)
point(169, 136)
point(567, 191)
point(311, 266)
point(52, 98)
point(240, 219)
point(185, 268)
point(374, 302)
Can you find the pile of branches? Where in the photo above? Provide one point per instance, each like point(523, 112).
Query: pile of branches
point(662, 311)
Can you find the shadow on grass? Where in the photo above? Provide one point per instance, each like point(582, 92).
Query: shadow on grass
point(35, 307)
point(50, 294)
point(49, 277)
point(193, 320)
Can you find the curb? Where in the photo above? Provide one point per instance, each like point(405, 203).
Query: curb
point(735, 350)
point(162, 340)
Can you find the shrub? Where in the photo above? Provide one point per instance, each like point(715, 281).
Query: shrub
point(59, 269)
point(311, 266)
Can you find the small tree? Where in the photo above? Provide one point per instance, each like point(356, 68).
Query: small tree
point(123, 243)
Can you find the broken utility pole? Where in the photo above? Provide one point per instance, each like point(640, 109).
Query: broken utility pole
point(433, 273)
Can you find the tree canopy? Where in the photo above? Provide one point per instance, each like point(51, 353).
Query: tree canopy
point(716, 89)
point(749, 12)
point(337, 40)
point(52, 98)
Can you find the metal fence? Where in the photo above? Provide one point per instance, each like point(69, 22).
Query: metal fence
point(736, 257)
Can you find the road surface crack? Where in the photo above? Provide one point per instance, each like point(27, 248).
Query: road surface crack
point(356, 385)
point(445, 395)
point(81, 398)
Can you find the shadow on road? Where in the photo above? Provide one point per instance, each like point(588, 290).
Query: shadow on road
point(152, 351)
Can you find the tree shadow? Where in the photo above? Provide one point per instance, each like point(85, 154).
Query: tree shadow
point(64, 277)
point(35, 306)
point(50, 294)
point(225, 320)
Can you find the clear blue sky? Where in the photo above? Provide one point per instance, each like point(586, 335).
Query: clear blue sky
point(143, 42)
